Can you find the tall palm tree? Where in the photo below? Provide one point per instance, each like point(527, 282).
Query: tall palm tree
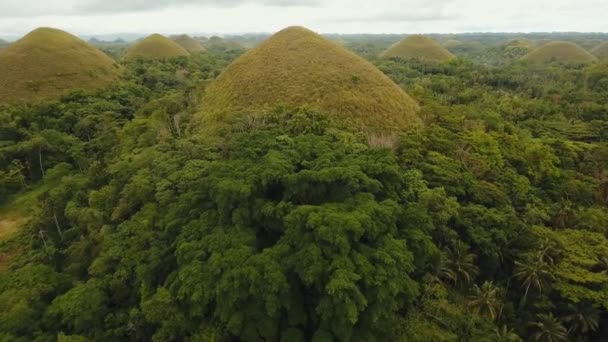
point(485, 300)
point(534, 273)
point(460, 265)
point(505, 334)
point(582, 318)
point(547, 328)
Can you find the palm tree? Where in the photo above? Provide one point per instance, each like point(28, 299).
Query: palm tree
point(505, 334)
point(485, 300)
point(460, 265)
point(547, 328)
point(535, 273)
point(582, 318)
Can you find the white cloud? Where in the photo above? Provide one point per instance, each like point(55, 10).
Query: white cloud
point(354, 16)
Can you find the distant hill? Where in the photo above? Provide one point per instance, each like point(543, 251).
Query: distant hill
point(3, 43)
point(601, 51)
point(297, 67)
point(419, 47)
point(47, 63)
point(452, 43)
point(559, 51)
point(220, 44)
point(156, 46)
point(519, 43)
point(190, 44)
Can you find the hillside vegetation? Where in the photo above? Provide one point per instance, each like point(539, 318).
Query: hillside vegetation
point(559, 51)
point(156, 46)
point(190, 44)
point(48, 63)
point(418, 46)
point(601, 51)
point(297, 67)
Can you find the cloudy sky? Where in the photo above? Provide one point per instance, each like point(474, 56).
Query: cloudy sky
point(328, 16)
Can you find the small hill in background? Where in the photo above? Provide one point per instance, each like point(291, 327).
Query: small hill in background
point(559, 51)
point(519, 43)
point(297, 67)
point(190, 44)
point(156, 46)
point(452, 43)
point(220, 44)
point(48, 63)
point(3, 43)
point(601, 51)
point(419, 47)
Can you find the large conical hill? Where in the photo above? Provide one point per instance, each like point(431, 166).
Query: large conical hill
point(298, 68)
point(48, 63)
point(418, 47)
point(190, 44)
point(601, 51)
point(559, 51)
point(156, 46)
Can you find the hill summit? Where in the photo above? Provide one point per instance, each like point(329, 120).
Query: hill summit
point(190, 44)
point(559, 51)
point(601, 51)
point(418, 47)
point(156, 46)
point(48, 63)
point(297, 67)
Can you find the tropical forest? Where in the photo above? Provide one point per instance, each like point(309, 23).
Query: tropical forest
point(302, 186)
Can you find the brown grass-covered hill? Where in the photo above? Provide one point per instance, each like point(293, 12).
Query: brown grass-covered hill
point(601, 51)
point(418, 47)
point(298, 68)
point(156, 46)
point(559, 51)
point(190, 44)
point(48, 63)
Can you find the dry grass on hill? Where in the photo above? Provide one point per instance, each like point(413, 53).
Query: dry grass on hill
point(48, 63)
point(156, 46)
point(419, 47)
point(558, 51)
point(297, 67)
point(190, 44)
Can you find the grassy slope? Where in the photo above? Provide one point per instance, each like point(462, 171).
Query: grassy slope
point(190, 44)
point(601, 51)
point(297, 67)
point(559, 51)
point(417, 46)
point(156, 46)
point(47, 63)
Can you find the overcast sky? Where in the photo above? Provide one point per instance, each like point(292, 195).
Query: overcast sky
point(17, 17)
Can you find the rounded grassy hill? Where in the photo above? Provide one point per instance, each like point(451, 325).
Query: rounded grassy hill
point(48, 63)
point(559, 51)
point(601, 51)
point(418, 47)
point(298, 68)
point(156, 46)
point(190, 44)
